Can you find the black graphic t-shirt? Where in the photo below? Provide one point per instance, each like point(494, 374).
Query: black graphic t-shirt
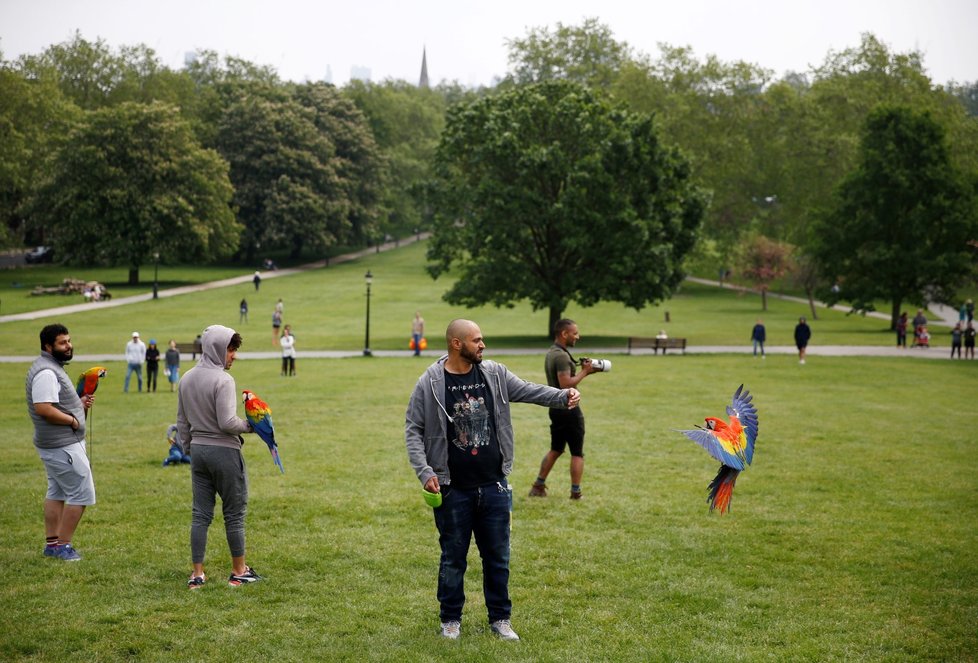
point(474, 458)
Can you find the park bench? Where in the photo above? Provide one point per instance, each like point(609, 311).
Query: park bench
point(193, 347)
point(643, 343)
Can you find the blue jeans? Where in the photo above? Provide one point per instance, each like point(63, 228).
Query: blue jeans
point(756, 344)
point(485, 512)
point(417, 344)
point(138, 369)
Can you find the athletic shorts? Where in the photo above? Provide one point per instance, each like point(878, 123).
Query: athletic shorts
point(567, 430)
point(69, 475)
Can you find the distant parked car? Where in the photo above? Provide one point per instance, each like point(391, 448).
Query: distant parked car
point(40, 254)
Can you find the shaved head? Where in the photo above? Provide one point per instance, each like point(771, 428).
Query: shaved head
point(459, 328)
point(465, 345)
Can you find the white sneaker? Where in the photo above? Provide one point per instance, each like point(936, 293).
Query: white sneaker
point(802, 362)
point(504, 630)
point(451, 630)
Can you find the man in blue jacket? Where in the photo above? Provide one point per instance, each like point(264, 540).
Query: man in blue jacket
point(459, 438)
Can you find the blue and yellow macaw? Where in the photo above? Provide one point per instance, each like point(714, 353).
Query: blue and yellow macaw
point(259, 415)
point(730, 443)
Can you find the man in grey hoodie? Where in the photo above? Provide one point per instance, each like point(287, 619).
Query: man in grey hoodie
point(459, 438)
point(208, 423)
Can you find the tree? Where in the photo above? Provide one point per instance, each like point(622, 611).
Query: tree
point(587, 54)
point(130, 181)
point(304, 166)
point(546, 192)
point(406, 122)
point(902, 220)
point(763, 261)
point(34, 118)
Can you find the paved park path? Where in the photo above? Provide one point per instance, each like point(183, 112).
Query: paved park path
point(943, 315)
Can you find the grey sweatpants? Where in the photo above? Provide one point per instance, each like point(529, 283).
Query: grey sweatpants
point(218, 471)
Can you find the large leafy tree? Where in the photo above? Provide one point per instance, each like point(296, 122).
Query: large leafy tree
point(903, 218)
point(548, 193)
point(304, 166)
point(34, 118)
point(130, 181)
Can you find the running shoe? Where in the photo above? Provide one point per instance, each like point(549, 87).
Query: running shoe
point(248, 576)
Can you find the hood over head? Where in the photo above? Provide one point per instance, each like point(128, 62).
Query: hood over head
point(214, 344)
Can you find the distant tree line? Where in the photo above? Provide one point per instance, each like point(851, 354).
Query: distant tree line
point(690, 164)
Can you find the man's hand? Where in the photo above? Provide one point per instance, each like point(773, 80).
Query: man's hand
point(573, 398)
point(87, 401)
point(432, 486)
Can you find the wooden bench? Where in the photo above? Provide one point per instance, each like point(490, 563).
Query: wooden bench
point(642, 343)
point(192, 347)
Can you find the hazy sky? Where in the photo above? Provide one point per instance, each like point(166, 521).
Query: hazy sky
point(466, 41)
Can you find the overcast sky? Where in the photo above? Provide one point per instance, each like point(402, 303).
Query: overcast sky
point(466, 41)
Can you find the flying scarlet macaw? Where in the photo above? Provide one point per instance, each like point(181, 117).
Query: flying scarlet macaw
point(260, 417)
point(730, 443)
point(88, 381)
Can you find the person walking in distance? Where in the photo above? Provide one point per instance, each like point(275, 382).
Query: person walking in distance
point(759, 335)
point(172, 364)
point(417, 332)
point(135, 356)
point(459, 436)
point(802, 335)
point(566, 426)
point(152, 365)
point(287, 343)
point(58, 414)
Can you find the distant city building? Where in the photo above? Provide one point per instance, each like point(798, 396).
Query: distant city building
point(423, 83)
point(359, 73)
point(328, 78)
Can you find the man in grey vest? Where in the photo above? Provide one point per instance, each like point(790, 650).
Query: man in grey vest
point(59, 436)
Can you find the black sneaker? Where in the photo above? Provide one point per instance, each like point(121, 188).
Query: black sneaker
point(196, 582)
point(248, 576)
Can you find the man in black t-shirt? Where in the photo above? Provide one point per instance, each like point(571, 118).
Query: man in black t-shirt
point(459, 437)
point(566, 426)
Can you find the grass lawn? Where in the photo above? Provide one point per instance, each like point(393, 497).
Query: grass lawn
point(850, 537)
point(326, 308)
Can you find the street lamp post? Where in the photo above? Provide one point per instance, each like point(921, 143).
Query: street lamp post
point(366, 339)
point(156, 275)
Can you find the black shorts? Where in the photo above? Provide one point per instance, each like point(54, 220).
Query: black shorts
point(567, 430)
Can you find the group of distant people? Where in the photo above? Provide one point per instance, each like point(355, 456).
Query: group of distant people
point(281, 336)
point(803, 333)
point(138, 353)
point(962, 334)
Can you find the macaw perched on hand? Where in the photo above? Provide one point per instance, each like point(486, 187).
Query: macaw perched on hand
point(730, 443)
point(88, 381)
point(260, 417)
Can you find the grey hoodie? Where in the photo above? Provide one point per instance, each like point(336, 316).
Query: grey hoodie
point(426, 420)
point(207, 397)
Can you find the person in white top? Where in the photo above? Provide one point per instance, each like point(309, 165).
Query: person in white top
point(135, 356)
point(287, 342)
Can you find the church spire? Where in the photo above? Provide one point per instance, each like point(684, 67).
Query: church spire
point(423, 83)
